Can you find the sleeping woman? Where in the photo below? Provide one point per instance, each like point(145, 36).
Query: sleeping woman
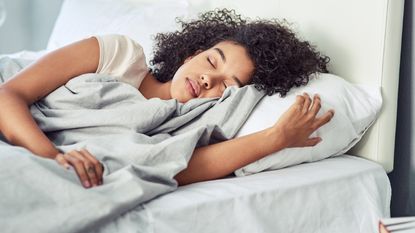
point(216, 51)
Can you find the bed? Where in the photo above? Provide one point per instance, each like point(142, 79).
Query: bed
point(345, 193)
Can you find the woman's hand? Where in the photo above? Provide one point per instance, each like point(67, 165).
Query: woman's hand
point(297, 124)
point(87, 167)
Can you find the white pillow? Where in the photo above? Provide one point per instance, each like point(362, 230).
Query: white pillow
point(356, 108)
point(138, 19)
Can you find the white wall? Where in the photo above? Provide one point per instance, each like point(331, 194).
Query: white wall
point(28, 24)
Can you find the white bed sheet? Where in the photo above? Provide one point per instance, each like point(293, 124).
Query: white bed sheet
point(335, 195)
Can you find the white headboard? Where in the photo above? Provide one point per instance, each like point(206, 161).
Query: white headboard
point(363, 40)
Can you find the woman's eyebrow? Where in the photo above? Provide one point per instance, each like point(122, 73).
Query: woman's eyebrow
point(222, 55)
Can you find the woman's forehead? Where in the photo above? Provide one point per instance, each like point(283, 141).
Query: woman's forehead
point(236, 58)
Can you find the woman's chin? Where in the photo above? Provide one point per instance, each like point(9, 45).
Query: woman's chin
point(181, 99)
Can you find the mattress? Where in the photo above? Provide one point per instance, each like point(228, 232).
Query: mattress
point(340, 194)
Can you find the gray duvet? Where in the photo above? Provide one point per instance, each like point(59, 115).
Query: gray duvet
point(142, 143)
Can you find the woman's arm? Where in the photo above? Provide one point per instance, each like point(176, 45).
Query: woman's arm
point(293, 129)
point(36, 81)
point(33, 83)
point(19, 128)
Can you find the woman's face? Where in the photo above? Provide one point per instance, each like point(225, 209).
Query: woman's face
point(208, 73)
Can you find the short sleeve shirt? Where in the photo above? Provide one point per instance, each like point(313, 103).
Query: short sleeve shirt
point(123, 58)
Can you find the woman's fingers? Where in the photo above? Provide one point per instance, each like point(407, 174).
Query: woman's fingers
point(89, 167)
point(300, 121)
point(315, 108)
point(97, 165)
point(299, 103)
point(323, 119)
point(307, 102)
point(307, 105)
point(62, 161)
point(79, 168)
point(317, 124)
point(316, 105)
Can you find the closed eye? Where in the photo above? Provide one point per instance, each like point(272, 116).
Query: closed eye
point(210, 62)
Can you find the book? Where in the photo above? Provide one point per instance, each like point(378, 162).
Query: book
point(397, 224)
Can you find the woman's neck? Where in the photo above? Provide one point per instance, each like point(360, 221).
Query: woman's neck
point(150, 87)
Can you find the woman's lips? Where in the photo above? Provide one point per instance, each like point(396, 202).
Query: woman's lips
point(193, 87)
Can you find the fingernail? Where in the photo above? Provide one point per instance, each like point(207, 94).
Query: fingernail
point(87, 184)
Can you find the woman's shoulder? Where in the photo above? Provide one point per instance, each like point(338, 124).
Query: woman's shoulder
point(118, 40)
point(123, 57)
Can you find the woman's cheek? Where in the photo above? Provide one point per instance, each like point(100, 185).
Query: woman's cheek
point(180, 94)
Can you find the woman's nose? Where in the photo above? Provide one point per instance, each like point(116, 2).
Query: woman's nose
point(206, 81)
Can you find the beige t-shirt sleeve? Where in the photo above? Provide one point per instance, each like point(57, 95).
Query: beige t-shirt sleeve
point(123, 58)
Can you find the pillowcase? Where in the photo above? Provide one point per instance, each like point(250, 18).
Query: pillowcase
point(138, 19)
point(356, 108)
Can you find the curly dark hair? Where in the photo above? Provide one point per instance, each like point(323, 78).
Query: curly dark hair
point(281, 60)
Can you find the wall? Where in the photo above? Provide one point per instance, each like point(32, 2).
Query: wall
point(403, 176)
point(28, 24)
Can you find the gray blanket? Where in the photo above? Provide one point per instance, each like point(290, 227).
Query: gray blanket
point(142, 143)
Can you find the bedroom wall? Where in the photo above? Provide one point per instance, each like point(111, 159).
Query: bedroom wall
point(28, 24)
point(403, 176)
